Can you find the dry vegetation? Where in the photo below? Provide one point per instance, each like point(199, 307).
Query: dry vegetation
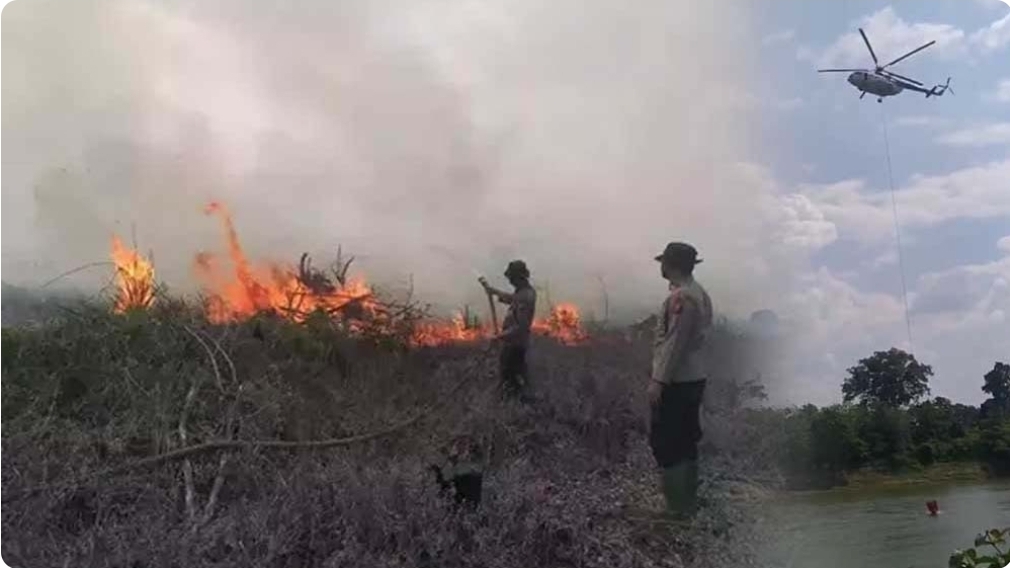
point(88, 396)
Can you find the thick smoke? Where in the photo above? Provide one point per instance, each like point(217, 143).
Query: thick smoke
point(431, 138)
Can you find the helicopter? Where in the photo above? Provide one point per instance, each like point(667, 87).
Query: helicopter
point(883, 83)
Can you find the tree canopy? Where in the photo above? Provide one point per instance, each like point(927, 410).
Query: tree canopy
point(893, 378)
point(997, 382)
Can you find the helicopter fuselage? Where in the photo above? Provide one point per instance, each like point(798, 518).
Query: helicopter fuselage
point(875, 84)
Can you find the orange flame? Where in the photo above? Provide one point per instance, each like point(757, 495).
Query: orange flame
point(134, 278)
point(563, 324)
point(247, 289)
point(456, 330)
point(271, 287)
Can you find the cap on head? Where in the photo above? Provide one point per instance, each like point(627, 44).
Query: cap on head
point(678, 253)
point(517, 268)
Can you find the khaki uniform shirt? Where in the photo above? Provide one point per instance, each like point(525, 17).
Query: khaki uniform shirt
point(668, 366)
point(519, 318)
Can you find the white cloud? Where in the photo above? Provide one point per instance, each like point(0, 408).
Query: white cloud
point(835, 308)
point(994, 37)
point(864, 214)
point(1004, 244)
point(987, 135)
point(958, 321)
point(830, 323)
point(802, 225)
point(964, 291)
point(891, 37)
point(784, 36)
point(1002, 92)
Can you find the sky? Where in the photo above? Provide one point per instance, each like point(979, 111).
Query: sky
point(950, 159)
point(439, 138)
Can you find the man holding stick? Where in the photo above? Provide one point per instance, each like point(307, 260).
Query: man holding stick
point(515, 333)
point(678, 379)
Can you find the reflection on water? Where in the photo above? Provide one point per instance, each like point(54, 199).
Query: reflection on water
point(882, 528)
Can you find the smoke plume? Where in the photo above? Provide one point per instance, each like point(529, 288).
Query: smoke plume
point(431, 138)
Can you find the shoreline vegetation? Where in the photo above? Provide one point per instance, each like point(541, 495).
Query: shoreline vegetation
point(938, 474)
point(875, 480)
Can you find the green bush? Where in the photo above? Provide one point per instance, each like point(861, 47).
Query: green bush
point(925, 454)
point(991, 551)
point(993, 445)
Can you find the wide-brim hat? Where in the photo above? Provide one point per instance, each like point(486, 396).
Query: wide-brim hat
point(679, 252)
point(517, 268)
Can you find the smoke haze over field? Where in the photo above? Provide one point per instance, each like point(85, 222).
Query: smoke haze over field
point(431, 138)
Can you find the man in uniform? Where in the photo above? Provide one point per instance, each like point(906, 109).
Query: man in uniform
point(515, 333)
point(678, 378)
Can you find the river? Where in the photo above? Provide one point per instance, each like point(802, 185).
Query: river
point(882, 528)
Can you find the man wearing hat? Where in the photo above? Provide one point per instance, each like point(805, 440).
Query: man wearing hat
point(515, 333)
point(678, 378)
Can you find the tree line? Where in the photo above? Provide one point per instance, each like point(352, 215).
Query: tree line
point(886, 422)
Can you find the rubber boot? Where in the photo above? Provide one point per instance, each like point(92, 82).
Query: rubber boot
point(691, 487)
point(673, 484)
point(680, 488)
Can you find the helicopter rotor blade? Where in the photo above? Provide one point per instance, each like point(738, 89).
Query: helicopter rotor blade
point(910, 53)
point(838, 70)
point(868, 46)
point(902, 77)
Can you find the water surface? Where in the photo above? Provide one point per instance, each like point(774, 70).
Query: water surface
point(882, 528)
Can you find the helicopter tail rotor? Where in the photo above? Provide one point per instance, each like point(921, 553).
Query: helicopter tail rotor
point(939, 90)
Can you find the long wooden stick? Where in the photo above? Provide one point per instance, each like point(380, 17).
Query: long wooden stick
point(494, 313)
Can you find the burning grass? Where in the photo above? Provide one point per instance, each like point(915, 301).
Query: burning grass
point(97, 389)
point(134, 278)
point(236, 289)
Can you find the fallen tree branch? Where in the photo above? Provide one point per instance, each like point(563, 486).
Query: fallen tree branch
point(218, 445)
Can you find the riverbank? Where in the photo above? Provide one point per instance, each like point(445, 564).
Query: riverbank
point(873, 480)
point(944, 473)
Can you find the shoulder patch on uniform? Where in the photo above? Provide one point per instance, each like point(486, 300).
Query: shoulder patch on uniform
point(676, 304)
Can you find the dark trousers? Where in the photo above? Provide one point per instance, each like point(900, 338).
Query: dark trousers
point(675, 424)
point(512, 366)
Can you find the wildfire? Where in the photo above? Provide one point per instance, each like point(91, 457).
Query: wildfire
point(134, 278)
point(248, 289)
point(236, 289)
point(456, 330)
point(564, 324)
